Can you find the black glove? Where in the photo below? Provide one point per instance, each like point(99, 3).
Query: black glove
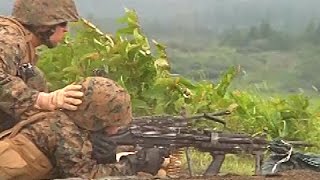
point(103, 149)
point(147, 160)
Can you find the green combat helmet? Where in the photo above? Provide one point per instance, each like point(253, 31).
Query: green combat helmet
point(45, 12)
point(105, 103)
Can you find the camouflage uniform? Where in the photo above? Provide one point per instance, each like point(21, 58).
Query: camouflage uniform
point(284, 158)
point(17, 96)
point(68, 146)
point(19, 84)
point(70, 156)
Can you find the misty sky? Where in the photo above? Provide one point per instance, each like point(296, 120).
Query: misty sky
point(210, 14)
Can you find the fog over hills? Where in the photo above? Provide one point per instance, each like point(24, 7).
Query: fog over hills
point(208, 14)
point(209, 32)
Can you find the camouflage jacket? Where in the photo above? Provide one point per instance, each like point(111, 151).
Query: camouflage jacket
point(17, 91)
point(69, 148)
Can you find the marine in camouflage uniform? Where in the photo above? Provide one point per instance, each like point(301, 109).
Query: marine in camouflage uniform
point(22, 85)
point(72, 140)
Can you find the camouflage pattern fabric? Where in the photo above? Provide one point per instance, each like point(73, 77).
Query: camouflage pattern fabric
point(284, 158)
point(268, 166)
point(44, 12)
point(69, 148)
point(16, 96)
point(296, 161)
point(105, 103)
point(37, 81)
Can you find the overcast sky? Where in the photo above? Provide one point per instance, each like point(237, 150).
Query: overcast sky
point(207, 13)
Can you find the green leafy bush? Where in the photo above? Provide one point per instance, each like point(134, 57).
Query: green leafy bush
point(142, 67)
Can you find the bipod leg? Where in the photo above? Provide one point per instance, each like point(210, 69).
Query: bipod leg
point(189, 161)
point(258, 161)
point(214, 167)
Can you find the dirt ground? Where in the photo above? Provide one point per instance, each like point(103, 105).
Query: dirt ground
point(290, 175)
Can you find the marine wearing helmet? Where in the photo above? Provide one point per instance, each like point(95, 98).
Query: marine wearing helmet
point(41, 16)
point(22, 85)
point(72, 142)
point(105, 104)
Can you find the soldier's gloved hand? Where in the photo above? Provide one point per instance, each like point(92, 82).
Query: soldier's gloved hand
point(147, 160)
point(103, 149)
point(67, 98)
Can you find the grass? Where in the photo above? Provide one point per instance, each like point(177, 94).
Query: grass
point(233, 164)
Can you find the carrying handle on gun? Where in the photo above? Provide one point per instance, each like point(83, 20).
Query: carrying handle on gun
point(212, 116)
point(220, 113)
point(215, 119)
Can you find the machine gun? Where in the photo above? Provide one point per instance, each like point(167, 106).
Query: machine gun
point(176, 132)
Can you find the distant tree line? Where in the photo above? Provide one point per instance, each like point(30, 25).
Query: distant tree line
point(264, 37)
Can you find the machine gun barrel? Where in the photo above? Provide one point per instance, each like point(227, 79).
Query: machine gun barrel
point(176, 132)
point(216, 143)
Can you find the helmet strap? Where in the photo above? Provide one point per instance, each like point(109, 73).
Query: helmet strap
point(45, 37)
point(43, 33)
